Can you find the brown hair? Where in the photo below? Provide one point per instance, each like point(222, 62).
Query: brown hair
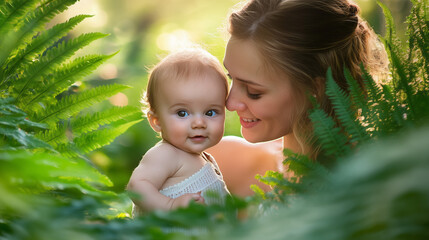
point(180, 65)
point(302, 39)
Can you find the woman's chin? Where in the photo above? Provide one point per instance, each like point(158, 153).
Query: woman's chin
point(257, 137)
point(252, 137)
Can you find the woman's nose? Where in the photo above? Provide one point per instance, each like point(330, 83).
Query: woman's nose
point(198, 122)
point(234, 102)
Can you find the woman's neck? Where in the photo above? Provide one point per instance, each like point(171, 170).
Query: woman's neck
point(290, 142)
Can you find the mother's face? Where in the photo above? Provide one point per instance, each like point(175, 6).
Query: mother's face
point(263, 100)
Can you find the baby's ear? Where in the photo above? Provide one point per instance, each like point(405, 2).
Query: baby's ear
point(154, 121)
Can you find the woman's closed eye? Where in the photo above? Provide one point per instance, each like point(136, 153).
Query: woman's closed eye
point(182, 113)
point(252, 94)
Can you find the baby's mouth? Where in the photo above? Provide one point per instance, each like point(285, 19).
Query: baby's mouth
point(198, 138)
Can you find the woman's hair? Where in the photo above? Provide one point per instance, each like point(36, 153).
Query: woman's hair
point(302, 39)
point(177, 66)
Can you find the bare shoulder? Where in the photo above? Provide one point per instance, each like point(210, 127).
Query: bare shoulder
point(162, 156)
point(158, 163)
point(238, 145)
point(162, 153)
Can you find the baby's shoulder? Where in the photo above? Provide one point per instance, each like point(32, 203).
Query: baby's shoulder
point(162, 153)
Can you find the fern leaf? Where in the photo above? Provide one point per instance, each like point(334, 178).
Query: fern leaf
point(381, 106)
point(97, 139)
point(398, 62)
point(11, 12)
point(53, 171)
point(342, 107)
point(43, 42)
point(418, 29)
point(52, 59)
point(331, 140)
point(93, 121)
point(55, 136)
point(12, 123)
point(73, 104)
point(63, 77)
point(359, 99)
point(33, 23)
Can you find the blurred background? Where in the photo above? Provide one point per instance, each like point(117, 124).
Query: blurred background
point(144, 31)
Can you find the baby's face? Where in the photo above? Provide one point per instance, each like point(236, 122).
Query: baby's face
point(191, 112)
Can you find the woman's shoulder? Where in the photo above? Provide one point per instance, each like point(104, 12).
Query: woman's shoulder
point(235, 143)
point(239, 150)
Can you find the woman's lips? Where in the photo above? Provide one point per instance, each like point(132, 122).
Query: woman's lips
point(249, 122)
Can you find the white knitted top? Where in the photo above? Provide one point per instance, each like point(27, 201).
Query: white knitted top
point(208, 180)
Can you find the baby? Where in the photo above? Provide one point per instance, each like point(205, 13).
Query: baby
point(186, 96)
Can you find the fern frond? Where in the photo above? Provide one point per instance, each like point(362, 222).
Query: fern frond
point(63, 77)
point(97, 139)
point(33, 22)
point(418, 29)
point(51, 60)
point(54, 136)
point(73, 104)
point(92, 122)
point(302, 165)
point(13, 121)
point(343, 111)
point(11, 12)
point(393, 117)
point(359, 100)
point(331, 140)
point(53, 171)
point(381, 102)
point(42, 42)
point(399, 69)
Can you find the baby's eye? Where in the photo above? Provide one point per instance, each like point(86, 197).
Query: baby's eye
point(182, 113)
point(211, 113)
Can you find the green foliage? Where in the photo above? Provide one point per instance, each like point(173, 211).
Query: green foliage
point(46, 130)
point(12, 122)
point(379, 193)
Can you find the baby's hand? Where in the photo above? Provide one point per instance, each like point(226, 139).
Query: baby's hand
point(184, 200)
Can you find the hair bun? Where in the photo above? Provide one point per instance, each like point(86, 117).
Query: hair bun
point(353, 10)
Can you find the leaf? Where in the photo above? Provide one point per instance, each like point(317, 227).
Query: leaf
point(73, 104)
point(331, 140)
point(63, 77)
point(91, 122)
point(343, 111)
point(96, 139)
point(51, 171)
point(53, 58)
point(42, 42)
point(33, 22)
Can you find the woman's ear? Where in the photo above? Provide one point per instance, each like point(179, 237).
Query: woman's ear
point(154, 121)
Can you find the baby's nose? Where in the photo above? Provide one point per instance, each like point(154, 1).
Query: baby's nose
point(198, 122)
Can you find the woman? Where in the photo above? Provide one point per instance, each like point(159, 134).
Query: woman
point(278, 54)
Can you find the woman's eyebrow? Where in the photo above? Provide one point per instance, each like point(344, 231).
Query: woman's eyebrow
point(244, 80)
point(248, 82)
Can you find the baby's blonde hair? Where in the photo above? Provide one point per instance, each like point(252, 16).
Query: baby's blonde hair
point(180, 65)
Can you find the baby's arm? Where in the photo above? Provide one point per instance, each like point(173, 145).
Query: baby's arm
point(147, 179)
